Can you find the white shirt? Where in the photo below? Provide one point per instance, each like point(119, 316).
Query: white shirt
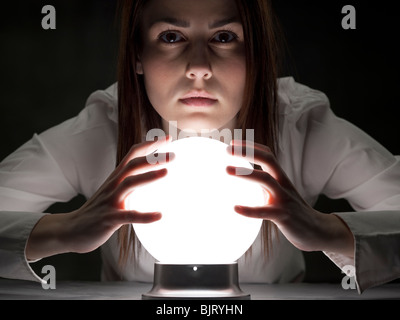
point(321, 154)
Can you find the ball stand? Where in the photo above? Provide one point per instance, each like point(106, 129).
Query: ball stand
point(211, 281)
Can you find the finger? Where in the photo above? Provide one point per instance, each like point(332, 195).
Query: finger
point(260, 155)
point(245, 147)
point(147, 147)
point(252, 152)
point(265, 212)
point(132, 216)
point(261, 177)
point(129, 184)
point(138, 165)
point(141, 164)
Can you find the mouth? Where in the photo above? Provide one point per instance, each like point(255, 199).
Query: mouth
point(198, 102)
point(198, 99)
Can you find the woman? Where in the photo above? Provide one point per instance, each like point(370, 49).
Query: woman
point(204, 65)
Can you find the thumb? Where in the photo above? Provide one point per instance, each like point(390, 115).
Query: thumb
point(132, 216)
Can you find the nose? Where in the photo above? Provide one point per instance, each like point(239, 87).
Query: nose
point(198, 72)
point(198, 66)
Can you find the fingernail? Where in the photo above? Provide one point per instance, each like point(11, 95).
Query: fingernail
point(161, 172)
point(170, 156)
point(157, 216)
point(231, 170)
point(239, 209)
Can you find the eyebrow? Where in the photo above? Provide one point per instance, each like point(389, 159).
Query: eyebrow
point(223, 22)
point(174, 21)
point(186, 24)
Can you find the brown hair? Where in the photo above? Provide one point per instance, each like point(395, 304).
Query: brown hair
point(259, 110)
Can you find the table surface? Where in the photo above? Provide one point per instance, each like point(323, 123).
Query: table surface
point(81, 290)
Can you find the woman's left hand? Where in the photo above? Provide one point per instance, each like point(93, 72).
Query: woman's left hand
point(305, 227)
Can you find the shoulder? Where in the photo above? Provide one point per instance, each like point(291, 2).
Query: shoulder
point(96, 123)
point(297, 100)
point(85, 145)
point(103, 104)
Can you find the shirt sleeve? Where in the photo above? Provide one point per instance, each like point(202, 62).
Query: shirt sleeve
point(368, 176)
point(330, 156)
point(377, 245)
point(15, 228)
point(376, 229)
point(72, 158)
point(30, 182)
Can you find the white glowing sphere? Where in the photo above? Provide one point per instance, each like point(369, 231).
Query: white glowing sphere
point(197, 199)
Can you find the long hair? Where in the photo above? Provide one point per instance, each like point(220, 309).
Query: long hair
point(259, 110)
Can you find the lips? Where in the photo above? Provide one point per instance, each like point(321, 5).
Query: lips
point(198, 102)
point(198, 99)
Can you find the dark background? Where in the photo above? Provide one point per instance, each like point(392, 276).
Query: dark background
point(47, 75)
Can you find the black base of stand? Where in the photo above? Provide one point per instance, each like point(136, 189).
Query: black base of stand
point(173, 281)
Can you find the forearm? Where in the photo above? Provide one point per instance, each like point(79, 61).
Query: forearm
point(48, 237)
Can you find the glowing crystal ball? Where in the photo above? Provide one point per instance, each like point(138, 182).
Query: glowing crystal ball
point(197, 199)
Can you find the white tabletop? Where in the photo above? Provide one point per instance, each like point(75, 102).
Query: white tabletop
point(74, 290)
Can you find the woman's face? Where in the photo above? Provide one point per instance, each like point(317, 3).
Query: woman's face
point(193, 62)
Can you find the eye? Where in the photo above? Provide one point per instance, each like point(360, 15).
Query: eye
point(224, 37)
point(171, 37)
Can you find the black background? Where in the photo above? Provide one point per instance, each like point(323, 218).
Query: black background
point(47, 75)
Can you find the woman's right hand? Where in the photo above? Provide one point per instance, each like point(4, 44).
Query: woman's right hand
point(87, 228)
